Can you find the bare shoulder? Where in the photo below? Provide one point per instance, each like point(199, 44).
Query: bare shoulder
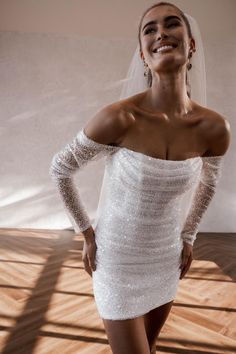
point(109, 124)
point(217, 132)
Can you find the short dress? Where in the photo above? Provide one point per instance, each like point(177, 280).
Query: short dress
point(138, 229)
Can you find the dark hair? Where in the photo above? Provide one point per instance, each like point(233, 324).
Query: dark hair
point(149, 77)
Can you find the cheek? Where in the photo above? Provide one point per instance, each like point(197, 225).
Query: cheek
point(186, 48)
point(181, 37)
point(146, 45)
point(145, 41)
point(183, 45)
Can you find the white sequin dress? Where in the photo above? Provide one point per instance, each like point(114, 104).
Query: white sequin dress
point(138, 228)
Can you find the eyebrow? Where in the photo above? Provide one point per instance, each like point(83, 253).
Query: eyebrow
point(165, 19)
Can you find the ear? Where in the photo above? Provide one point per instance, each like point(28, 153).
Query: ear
point(192, 45)
point(141, 55)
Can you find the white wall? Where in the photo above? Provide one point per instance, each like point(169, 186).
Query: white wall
point(109, 18)
point(59, 60)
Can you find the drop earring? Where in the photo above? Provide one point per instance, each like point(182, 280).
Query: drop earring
point(189, 65)
point(146, 69)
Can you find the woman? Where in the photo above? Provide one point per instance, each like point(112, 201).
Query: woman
point(157, 144)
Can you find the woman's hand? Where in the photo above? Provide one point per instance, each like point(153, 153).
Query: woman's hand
point(89, 253)
point(187, 257)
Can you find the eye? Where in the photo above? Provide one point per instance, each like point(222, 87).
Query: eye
point(153, 29)
point(149, 30)
point(173, 24)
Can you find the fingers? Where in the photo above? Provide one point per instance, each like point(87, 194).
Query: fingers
point(184, 262)
point(187, 258)
point(185, 266)
point(88, 258)
point(92, 264)
point(87, 266)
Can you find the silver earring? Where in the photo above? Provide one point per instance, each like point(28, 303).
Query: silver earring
point(189, 65)
point(146, 69)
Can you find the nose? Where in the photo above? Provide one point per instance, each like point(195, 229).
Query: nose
point(162, 35)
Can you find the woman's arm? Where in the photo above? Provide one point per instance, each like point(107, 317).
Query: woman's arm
point(209, 178)
point(105, 128)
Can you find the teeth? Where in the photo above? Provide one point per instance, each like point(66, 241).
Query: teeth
point(163, 48)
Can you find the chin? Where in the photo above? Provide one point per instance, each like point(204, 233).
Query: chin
point(168, 64)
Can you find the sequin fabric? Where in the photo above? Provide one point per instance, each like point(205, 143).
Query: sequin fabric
point(211, 173)
point(138, 232)
point(74, 156)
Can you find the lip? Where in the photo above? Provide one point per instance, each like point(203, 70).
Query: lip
point(163, 44)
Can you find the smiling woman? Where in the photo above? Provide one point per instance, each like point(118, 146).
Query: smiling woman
point(158, 145)
point(195, 76)
point(168, 23)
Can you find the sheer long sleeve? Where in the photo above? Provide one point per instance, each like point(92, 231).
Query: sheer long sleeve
point(65, 163)
point(210, 175)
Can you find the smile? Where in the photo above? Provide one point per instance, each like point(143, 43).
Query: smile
point(163, 48)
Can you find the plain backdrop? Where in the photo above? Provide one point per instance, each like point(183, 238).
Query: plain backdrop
point(63, 60)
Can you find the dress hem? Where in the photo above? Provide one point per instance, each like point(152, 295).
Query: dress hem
point(141, 314)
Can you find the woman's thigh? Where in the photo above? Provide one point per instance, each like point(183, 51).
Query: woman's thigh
point(127, 336)
point(154, 321)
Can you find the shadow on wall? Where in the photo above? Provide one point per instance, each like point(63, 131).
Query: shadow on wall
point(51, 86)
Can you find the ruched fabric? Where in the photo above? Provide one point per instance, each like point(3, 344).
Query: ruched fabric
point(138, 229)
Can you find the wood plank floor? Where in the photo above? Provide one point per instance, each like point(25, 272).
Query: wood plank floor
point(47, 304)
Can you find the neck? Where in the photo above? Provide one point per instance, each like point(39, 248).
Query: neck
point(168, 94)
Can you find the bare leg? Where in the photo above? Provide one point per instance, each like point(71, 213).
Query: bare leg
point(154, 321)
point(127, 336)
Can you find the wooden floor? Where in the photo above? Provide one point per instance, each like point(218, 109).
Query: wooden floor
point(47, 303)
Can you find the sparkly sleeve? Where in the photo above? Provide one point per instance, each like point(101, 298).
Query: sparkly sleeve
point(209, 178)
point(65, 163)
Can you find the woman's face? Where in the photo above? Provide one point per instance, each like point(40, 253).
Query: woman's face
point(164, 30)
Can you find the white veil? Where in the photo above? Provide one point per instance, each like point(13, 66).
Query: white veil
point(135, 82)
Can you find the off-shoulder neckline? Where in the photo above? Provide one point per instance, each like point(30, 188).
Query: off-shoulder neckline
point(147, 156)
